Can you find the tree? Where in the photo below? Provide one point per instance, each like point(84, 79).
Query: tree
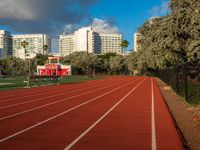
point(186, 25)
point(124, 44)
point(40, 59)
point(131, 62)
point(104, 67)
point(24, 44)
point(45, 48)
point(2, 66)
point(117, 64)
point(12, 66)
point(82, 60)
point(171, 39)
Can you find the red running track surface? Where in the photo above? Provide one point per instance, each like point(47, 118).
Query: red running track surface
point(116, 113)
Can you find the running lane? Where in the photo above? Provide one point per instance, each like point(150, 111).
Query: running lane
point(53, 132)
point(132, 115)
point(32, 97)
point(126, 127)
point(140, 122)
point(30, 118)
point(166, 133)
point(34, 104)
point(21, 93)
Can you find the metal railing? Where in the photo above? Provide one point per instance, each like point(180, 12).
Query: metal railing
point(184, 79)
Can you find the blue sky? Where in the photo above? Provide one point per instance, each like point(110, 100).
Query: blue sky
point(129, 15)
point(55, 18)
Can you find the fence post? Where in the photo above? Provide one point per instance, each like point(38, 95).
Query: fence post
point(198, 81)
point(177, 79)
point(186, 82)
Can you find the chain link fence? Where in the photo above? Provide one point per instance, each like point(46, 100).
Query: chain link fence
point(184, 79)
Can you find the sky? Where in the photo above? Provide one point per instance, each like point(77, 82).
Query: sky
point(53, 17)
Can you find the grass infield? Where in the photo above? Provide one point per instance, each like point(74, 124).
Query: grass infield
point(8, 83)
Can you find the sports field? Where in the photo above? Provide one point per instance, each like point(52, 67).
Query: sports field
point(116, 113)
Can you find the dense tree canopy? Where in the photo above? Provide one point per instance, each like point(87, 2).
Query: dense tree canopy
point(172, 39)
point(12, 66)
point(82, 60)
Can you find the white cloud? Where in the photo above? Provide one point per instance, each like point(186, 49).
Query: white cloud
point(103, 26)
point(160, 10)
point(70, 28)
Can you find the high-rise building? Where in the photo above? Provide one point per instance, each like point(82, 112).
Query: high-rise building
point(110, 43)
point(35, 45)
point(83, 39)
point(86, 39)
point(136, 41)
point(66, 44)
point(5, 44)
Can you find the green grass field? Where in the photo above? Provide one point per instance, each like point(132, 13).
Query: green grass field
point(21, 82)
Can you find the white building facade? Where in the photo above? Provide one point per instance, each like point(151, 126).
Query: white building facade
point(85, 39)
point(35, 45)
point(66, 44)
point(110, 43)
point(136, 43)
point(6, 48)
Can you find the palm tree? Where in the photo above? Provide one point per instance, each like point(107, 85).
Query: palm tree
point(24, 44)
point(45, 48)
point(124, 44)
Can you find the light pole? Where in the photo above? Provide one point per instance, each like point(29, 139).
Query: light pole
point(29, 71)
point(24, 44)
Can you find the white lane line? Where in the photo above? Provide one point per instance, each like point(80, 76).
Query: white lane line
point(38, 99)
point(45, 92)
point(38, 92)
point(29, 92)
point(101, 118)
point(55, 102)
point(153, 127)
point(60, 114)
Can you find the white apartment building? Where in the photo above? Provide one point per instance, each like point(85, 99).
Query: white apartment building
point(35, 45)
point(86, 39)
point(83, 39)
point(5, 44)
point(66, 44)
point(110, 43)
point(136, 44)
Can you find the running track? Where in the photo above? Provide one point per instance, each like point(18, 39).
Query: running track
point(116, 113)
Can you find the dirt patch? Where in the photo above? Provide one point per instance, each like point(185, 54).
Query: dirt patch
point(186, 117)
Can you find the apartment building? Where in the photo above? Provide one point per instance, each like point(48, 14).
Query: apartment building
point(6, 48)
point(79, 41)
point(86, 39)
point(66, 44)
point(136, 43)
point(35, 45)
point(110, 43)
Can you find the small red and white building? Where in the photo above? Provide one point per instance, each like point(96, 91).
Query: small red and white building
point(50, 68)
